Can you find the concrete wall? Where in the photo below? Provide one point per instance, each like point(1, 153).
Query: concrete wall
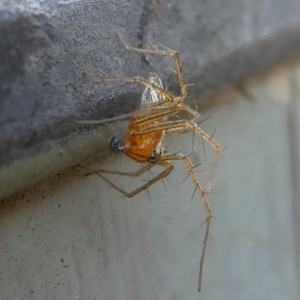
point(47, 46)
point(72, 237)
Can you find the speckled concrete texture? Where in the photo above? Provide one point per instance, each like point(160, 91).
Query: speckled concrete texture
point(47, 46)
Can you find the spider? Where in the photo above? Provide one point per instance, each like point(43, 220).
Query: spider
point(147, 129)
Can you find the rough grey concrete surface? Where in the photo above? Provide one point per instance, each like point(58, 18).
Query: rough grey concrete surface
point(47, 46)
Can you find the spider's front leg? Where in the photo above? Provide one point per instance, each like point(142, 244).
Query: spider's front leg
point(168, 52)
point(140, 80)
point(168, 169)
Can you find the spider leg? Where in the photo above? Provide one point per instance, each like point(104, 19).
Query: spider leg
point(155, 115)
point(140, 80)
point(169, 52)
point(182, 130)
point(186, 160)
point(132, 174)
point(182, 126)
point(168, 169)
point(103, 121)
point(143, 114)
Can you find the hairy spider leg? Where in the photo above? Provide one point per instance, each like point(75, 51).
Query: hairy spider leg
point(167, 94)
point(140, 80)
point(169, 52)
point(189, 166)
point(168, 169)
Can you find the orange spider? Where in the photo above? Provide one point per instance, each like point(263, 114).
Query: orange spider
point(147, 129)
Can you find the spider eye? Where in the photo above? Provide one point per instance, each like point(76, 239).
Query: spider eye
point(114, 144)
point(153, 153)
